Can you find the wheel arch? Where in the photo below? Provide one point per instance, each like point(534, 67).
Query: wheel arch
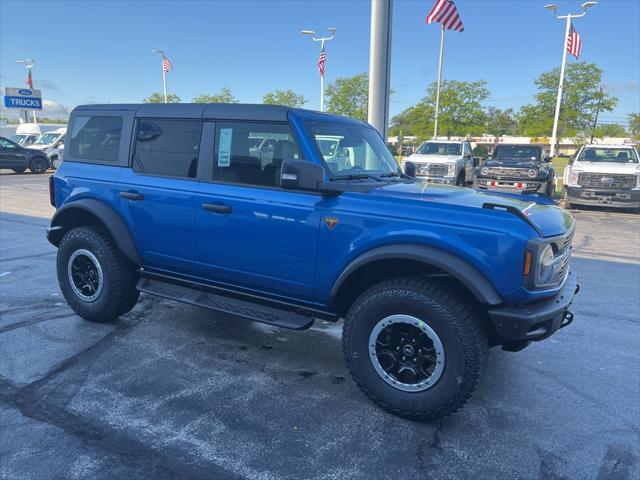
point(93, 212)
point(400, 260)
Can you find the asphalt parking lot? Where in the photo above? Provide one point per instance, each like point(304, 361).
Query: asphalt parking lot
point(172, 391)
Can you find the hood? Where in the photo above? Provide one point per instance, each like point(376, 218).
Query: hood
point(511, 163)
point(549, 220)
point(421, 158)
point(39, 147)
point(607, 167)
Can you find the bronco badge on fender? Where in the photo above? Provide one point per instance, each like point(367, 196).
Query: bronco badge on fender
point(331, 222)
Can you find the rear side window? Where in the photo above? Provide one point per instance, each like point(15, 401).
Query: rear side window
point(167, 148)
point(252, 153)
point(96, 138)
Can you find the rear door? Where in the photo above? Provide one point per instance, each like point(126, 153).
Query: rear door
point(158, 191)
point(250, 233)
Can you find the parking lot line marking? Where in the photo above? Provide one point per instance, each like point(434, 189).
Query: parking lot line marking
point(4, 274)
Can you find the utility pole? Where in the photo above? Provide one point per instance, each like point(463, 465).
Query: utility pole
point(380, 65)
point(568, 18)
point(595, 120)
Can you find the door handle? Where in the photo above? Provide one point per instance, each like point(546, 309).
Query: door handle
point(216, 208)
point(132, 196)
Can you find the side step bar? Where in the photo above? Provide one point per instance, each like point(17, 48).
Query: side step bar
point(220, 303)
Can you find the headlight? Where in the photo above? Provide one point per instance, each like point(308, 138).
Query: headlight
point(547, 266)
point(573, 178)
point(484, 171)
point(532, 172)
point(452, 170)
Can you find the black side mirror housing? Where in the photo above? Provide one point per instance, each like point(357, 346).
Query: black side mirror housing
point(409, 169)
point(547, 159)
point(301, 175)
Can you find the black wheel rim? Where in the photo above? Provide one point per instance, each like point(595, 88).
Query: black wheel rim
point(85, 275)
point(406, 352)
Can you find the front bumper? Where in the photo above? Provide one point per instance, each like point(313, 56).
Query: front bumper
point(604, 197)
point(536, 321)
point(502, 185)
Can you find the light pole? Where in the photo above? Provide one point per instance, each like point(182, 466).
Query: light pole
point(29, 63)
point(164, 72)
point(380, 65)
point(322, 41)
point(553, 8)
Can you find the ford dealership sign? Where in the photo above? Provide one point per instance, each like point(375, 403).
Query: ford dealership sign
point(22, 98)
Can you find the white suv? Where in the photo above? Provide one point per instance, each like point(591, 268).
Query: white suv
point(605, 175)
point(444, 161)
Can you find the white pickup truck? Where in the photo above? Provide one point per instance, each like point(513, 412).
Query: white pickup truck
point(444, 161)
point(604, 175)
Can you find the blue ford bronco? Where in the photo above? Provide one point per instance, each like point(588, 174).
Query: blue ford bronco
point(283, 216)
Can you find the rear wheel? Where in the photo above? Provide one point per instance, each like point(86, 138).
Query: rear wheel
point(414, 348)
point(97, 281)
point(38, 165)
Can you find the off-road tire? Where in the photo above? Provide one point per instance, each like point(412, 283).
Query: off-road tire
point(461, 333)
point(118, 295)
point(38, 165)
point(550, 188)
point(19, 170)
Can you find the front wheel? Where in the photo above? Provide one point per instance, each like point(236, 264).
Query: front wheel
point(97, 281)
point(38, 165)
point(414, 348)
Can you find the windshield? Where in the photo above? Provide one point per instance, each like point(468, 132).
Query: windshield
point(517, 153)
point(17, 138)
point(436, 148)
point(619, 155)
point(352, 149)
point(47, 138)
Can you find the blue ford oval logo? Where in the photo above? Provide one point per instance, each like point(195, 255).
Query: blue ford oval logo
point(25, 91)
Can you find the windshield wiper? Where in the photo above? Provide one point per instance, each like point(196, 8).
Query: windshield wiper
point(390, 174)
point(356, 176)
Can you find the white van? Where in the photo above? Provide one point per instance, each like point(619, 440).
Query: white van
point(51, 143)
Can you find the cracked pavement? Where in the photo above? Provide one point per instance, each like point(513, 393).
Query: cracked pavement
point(172, 391)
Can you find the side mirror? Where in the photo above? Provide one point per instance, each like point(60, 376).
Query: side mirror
point(410, 169)
point(547, 159)
point(301, 175)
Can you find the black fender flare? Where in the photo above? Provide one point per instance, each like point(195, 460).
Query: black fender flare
point(105, 214)
point(468, 275)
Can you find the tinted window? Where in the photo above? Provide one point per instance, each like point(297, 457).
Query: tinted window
point(252, 153)
point(6, 143)
point(517, 153)
point(96, 138)
point(167, 147)
point(437, 148)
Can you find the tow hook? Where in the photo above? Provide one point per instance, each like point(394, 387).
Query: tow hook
point(566, 319)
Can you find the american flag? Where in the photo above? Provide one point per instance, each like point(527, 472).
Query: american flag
point(29, 79)
point(321, 61)
point(166, 65)
point(574, 44)
point(446, 13)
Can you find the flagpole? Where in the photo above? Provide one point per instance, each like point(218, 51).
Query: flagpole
point(560, 86)
point(435, 123)
point(164, 80)
point(322, 79)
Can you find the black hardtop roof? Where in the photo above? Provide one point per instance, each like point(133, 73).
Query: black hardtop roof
point(231, 111)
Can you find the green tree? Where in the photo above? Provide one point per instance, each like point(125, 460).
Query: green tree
point(634, 125)
point(500, 122)
point(223, 96)
point(610, 130)
point(288, 98)
point(157, 97)
point(348, 96)
point(461, 111)
point(580, 100)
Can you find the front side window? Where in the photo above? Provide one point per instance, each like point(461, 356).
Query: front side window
point(95, 138)
point(439, 148)
point(167, 148)
point(618, 155)
point(252, 153)
point(350, 149)
point(49, 138)
point(517, 153)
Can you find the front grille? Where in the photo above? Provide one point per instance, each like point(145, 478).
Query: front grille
point(432, 169)
point(606, 180)
point(505, 172)
point(565, 247)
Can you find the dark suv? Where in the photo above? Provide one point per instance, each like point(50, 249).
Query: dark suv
point(518, 169)
point(18, 158)
point(178, 201)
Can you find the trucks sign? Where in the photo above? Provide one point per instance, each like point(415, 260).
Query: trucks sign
point(23, 98)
